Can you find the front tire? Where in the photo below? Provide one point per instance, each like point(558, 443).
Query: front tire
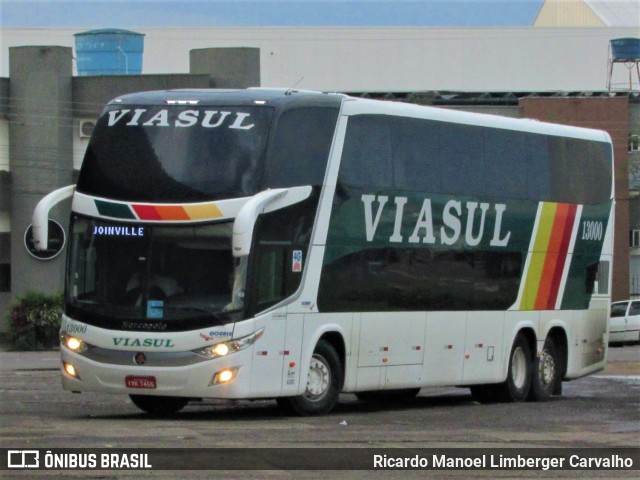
point(324, 382)
point(158, 405)
point(545, 374)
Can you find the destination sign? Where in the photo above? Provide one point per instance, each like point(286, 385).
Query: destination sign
point(118, 231)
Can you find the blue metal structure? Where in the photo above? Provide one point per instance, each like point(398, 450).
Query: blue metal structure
point(627, 52)
point(109, 52)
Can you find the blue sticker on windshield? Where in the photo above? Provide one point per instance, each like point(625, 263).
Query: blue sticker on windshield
point(155, 309)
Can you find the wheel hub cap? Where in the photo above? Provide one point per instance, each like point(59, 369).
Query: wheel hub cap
point(318, 380)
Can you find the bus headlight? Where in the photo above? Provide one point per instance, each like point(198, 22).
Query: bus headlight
point(225, 348)
point(74, 344)
point(220, 350)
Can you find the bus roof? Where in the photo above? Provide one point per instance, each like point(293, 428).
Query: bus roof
point(286, 98)
point(373, 107)
point(220, 97)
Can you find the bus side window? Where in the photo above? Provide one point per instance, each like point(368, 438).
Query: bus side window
point(301, 147)
point(270, 276)
point(281, 245)
point(537, 167)
point(418, 164)
point(504, 172)
point(367, 148)
point(462, 158)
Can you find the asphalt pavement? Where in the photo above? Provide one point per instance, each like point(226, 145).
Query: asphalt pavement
point(45, 360)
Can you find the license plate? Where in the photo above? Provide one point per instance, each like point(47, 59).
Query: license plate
point(133, 381)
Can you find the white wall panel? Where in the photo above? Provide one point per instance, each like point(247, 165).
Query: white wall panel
point(386, 59)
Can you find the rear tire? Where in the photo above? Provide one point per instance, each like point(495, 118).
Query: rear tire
point(518, 383)
point(324, 383)
point(157, 405)
point(545, 372)
point(516, 387)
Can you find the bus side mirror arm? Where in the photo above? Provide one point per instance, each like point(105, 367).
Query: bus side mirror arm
point(40, 219)
point(265, 201)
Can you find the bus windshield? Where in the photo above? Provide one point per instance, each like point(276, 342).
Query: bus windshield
point(153, 277)
point(174, 153)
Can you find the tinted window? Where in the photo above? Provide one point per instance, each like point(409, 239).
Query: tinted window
point(619, 309)
point(281, 242)
point(537, 160)
point(460, 157)
point(368, 152)
point(505, 156)
point(418, 148)
point(390, 279)
point(579, 171)
point(439, 157)
point(175, 153)
point(120, 276)
point(635, 308)
point(301, 147)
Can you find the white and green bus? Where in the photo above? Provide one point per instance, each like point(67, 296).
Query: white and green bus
point(297, 245)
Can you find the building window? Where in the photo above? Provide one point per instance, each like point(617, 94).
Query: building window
point(5, 277)
point(634, 238)
point(634, 143)
point(602, 279)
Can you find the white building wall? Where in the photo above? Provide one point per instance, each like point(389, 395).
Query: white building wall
point(386, 59)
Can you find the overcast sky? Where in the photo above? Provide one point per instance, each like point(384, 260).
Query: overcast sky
point(242, 13)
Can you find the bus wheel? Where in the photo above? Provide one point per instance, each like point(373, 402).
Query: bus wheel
point(159, 406)
point(516, 388)
point(324, 382)
point(545, 372)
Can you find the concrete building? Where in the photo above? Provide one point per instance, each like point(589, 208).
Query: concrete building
point(554, 73)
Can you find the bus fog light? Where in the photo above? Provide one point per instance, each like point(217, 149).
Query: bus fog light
point(224, 376)
point(70, 370)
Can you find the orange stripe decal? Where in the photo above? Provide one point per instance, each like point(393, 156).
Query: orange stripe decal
point(551, 260)
point(197, 211)
point(548, 258)
point(172, 212)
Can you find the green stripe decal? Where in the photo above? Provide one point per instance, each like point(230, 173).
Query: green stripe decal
point(115, 210)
